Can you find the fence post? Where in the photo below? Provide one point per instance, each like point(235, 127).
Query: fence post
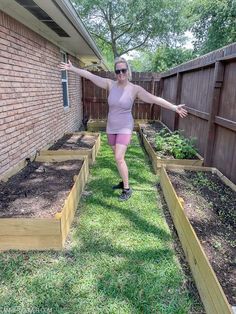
point(215, 101)
point(152, 92)
point(178, 98)
point(84, 104)
point(160, 94)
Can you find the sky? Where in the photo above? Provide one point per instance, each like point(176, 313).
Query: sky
point(189, 40)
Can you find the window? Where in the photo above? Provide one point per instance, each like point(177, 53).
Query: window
point(64, 81)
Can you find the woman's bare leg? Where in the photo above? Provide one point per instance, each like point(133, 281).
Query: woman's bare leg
point(120, 151)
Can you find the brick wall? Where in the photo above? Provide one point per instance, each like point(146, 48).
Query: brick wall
point(31, 104)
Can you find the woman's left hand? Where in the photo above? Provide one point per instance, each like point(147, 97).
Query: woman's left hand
point(181, 111)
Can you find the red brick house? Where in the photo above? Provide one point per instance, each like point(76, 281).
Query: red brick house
point(38, 103)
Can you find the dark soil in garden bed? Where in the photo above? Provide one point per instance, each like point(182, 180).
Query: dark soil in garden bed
point(189, 281)
point(150, 130)
point(210, 206)
point(39, 190)
point(75, 141)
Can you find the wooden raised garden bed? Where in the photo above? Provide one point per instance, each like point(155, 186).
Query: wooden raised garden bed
point(96, 125)
point(202, 203)
point(147, 138)
point(100, 125)
point(76, 144)
point(38, 202)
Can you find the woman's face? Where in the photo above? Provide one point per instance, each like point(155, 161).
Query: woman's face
point(121, 72)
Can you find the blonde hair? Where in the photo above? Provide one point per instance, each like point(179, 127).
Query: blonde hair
point(123, 60)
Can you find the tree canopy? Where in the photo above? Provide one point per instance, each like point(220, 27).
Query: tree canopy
point(155, 28)
point(164, 58)
point(168, 57)
point(213, 23)
point(125, 25)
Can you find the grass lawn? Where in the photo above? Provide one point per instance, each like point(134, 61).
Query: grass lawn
point(118, 258)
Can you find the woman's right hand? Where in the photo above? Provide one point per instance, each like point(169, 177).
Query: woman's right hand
point(66, 66)
point(97, 80)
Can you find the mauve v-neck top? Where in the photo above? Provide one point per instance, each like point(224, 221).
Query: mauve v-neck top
point(120, 102)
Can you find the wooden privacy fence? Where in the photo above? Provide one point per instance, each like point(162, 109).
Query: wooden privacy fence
point(95, 99)
point(207, 85)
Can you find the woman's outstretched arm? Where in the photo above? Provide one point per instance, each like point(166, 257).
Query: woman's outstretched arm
point(147, 97)
point(97, 80)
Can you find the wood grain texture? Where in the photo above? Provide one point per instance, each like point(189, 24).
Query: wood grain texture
point(210, 290)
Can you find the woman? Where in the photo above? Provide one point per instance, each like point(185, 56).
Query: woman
point(120, 123)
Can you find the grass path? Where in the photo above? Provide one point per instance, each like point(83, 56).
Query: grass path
point(118, 258)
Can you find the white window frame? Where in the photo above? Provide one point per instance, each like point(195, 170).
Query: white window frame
point(65, 80)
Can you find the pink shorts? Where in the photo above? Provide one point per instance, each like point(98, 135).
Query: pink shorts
point(123, 139)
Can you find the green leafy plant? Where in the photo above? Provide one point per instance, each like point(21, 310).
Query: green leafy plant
point(175, 144)
point(201, 180)
point(160, 143)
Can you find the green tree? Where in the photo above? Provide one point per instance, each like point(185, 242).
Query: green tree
point(107, 53)
point(213, 23)
point(142, 61)
point(167, 57)
point(162, 59)
point(125, 25)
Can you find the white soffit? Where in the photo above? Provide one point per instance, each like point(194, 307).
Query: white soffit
point(79, 44)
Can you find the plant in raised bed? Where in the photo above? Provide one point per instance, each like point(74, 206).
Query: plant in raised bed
point(165, 147)
point(175, 144)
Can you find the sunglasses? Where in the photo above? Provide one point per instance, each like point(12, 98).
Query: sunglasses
point(121, 71)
